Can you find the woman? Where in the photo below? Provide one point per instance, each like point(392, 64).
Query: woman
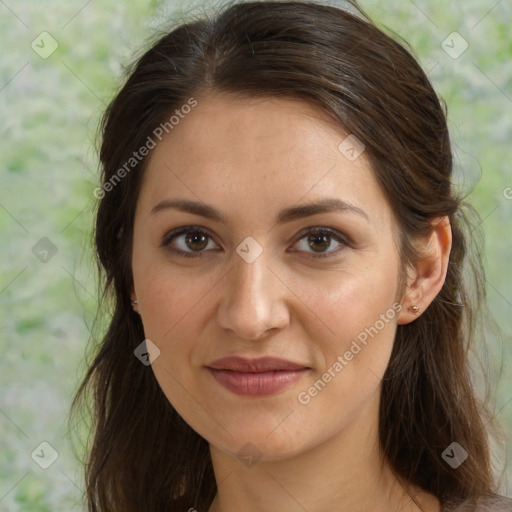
point(284, 250)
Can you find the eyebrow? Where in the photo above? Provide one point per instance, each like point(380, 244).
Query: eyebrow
point(327, 205)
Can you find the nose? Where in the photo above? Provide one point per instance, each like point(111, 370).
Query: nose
point(253, 300)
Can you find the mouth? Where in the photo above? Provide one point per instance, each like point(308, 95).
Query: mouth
point(256, 377)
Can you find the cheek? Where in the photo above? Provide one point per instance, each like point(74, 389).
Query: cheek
point(353, 341)
point(169, 296)
point(354, 361)
point(172, 307)
point(355, 352)
point(342, 304)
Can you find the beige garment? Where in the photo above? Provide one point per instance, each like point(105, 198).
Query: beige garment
point(489, 503)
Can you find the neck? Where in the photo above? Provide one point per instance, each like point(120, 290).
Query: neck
point(345, 473)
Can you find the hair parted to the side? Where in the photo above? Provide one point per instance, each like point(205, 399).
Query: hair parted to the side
point(143, 456)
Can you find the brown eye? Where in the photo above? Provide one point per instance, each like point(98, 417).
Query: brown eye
point(187, 241)
point(191, 242)
point(319, 240)
point(196, 241)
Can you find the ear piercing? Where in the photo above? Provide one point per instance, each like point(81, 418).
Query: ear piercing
point(134, 302)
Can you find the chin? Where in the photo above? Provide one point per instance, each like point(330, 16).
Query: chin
point(258, 441)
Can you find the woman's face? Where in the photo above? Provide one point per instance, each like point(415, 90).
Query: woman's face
point(316, 287)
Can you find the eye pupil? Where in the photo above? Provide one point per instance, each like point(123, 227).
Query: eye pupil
point(315, 238)
point(192, 239)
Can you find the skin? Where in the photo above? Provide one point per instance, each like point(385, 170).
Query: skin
point(251, 158)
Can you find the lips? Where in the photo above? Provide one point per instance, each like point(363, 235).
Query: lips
point(263, 364)
point(256, 377)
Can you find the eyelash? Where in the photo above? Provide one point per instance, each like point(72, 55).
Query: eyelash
point(168, 238)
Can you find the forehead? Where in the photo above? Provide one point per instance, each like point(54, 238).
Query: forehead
point(258, 150)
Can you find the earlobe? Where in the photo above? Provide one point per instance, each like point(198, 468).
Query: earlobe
point(133, 300)
point(429, 271)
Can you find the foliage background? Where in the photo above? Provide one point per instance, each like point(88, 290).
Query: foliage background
point(50, 110)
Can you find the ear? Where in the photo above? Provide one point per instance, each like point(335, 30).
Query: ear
point(428, 275)
point(133, 297)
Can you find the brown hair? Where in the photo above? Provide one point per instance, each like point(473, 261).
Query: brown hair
point(143, 456)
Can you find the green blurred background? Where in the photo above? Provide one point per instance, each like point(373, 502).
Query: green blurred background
point(61, 63)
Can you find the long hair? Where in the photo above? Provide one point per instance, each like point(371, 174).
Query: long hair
point(142, 455)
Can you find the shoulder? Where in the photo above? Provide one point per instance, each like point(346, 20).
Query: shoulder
point(487, 503)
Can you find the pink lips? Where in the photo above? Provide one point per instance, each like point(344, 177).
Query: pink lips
point(256, 377)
